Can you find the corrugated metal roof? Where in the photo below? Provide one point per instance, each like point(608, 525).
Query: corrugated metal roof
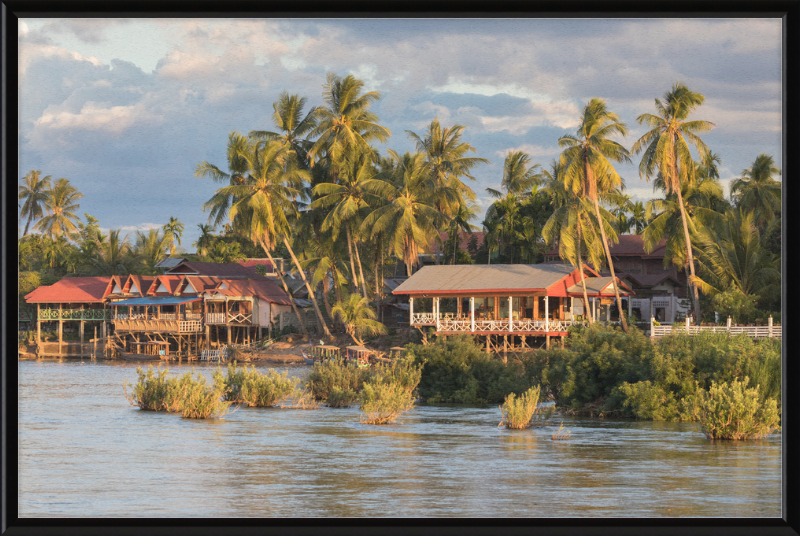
point(220, 269)
point(484, 277)
point(170, 262)
point(597, 285)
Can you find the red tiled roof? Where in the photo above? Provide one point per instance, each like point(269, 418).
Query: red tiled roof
point(463, 240)
point(629, 245)
point(252, 263)
point(262, 288)
point(170, 282)
point(71, 290)
point(221, 269)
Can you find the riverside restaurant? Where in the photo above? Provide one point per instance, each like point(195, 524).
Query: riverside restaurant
point(507, 307)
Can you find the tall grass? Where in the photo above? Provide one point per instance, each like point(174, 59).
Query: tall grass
point(249, 386)
point(337, 377)
point(522, 411)
point(184, 394)
point(732, 411)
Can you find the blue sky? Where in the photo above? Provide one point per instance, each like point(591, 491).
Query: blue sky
point(126, 108)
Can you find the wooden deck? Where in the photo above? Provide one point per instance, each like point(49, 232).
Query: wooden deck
point(770, 331)
point(505, 326)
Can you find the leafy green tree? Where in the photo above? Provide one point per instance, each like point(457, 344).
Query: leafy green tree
point(587, 169)
point(293, 127)
point(520, 175)
point(220, 251)
point(151, 248)
point(757, 191)
point(666, 150)
point(358, 318)
point(205, 239)
point(35, 194)
point(113, 255)
point(61, 201)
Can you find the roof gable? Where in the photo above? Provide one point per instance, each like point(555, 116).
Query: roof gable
point(484, 278)
point(71, 290)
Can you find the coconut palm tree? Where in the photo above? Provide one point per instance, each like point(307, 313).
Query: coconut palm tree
point(293, 126)
point(55, 250)
point(732, 256)
point(261, 202)
point(34, 194)
point(346, 121)
point(221, 251)
point(151, 248)
point(205, 239)
point(113, 255)
point(408, 220)
point(666, 150)
point(460, 221)
point(348, 200)
point(447, 164)
point(757, 191)
point(61, 201)
point(173, 231)
point(638, 219)
point(587, 169)
point(520, 175)
point(358, 318)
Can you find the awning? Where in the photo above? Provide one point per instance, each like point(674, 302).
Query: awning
point(156, 301)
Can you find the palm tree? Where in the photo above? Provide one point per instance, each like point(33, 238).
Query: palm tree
point(408, 219)
point(221, 251)
point(61, 202)
point(205, 240)
point(638, 217)
point(345, 122)
point(292, 125)
point(55, 250)
point(151, 248)
point(173, 230)
point(34, 194)
point(447, 163)
point(261, 201)
point(113, 255)
point(519, 175)
point(666, 150)
point(460, 221)
point(757, 191)
point(587, 169)
point(347, 201)
point(733, 257)
point(358, 318)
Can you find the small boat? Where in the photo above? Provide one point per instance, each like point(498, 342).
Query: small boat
point(321, 353)
point(139, 357)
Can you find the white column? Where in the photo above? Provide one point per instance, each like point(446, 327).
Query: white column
point(546, 315)
point(472, 312)
point(608, 313)
point(672, 308)
point(436, 309)
point(594, 309)
point(510, 314)
point(729, 323)
point(652, 310)
point(630, 306)
point(770, 326)
point(410, 311)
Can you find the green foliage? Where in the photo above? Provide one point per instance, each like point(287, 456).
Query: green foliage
point(249, 386)
point(341, 398)
point(518, 411)
point(390, 392)
point(456, 370)
point(648, 401)
point(335, 375)
point(740, 307)
point(185, 394)
point(733, 411)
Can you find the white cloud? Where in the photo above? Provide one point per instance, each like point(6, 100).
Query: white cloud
point(97, 117)
point(30, 52)
point(533, 150)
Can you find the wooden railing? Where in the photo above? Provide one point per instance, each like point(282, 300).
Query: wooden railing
point(425, 319)
point(756, 332)
point(75, 314)
point(525, 325)
point(215, 318)
point(174, 326)
point(240, 318)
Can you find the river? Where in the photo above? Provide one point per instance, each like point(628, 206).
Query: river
point(84, 451)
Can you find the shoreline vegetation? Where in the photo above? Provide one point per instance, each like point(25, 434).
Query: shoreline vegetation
point(731, 386)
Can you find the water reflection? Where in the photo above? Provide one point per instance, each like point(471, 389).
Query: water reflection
point(84, 451)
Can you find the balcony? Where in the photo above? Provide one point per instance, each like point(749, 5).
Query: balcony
point(75, 314)
point(450, 324)
point(242, 319)
point(161, 324)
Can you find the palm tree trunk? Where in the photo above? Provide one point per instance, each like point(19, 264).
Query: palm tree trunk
point(360, 270)
point(586, 311)
point(378, 282)
point(610, 264)
point(354, 282)
point(336, 288)
point(308, 287)
point(286, 288)
point(689, 258)
point(28, 223)
point(326, 299)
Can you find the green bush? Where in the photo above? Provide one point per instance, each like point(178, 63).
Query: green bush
point(519, 411)
point(266, 390)
point(335, 374)
point(185, 394)
point(644, 400)
point(389, 393)
point(456, 370)
point(201, 401)
point(341, 398)
point(733, 411)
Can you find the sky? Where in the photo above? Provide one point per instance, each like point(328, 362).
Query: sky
point(127, 108)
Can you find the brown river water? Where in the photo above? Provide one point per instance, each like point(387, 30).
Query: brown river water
point(84, 451)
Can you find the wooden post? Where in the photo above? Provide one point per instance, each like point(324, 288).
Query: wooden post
point(672, 308)
point(94, 348)
point(510, 314)
point(229, 335)
point(458, 306)
point(436, 311)
point(60, 329)
point(523, 302)
point(536, 307)
point(547, 340)
point(410, 312)
point(208, 337)
point(652, 325)
point(496, 308)
point(561, 308)
point(81, 329)
point(472, 313)
point(505, 348)
point(770, 326)
point(38, 324)
point(594, 309)
point(547, 318)
point(630, 308)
